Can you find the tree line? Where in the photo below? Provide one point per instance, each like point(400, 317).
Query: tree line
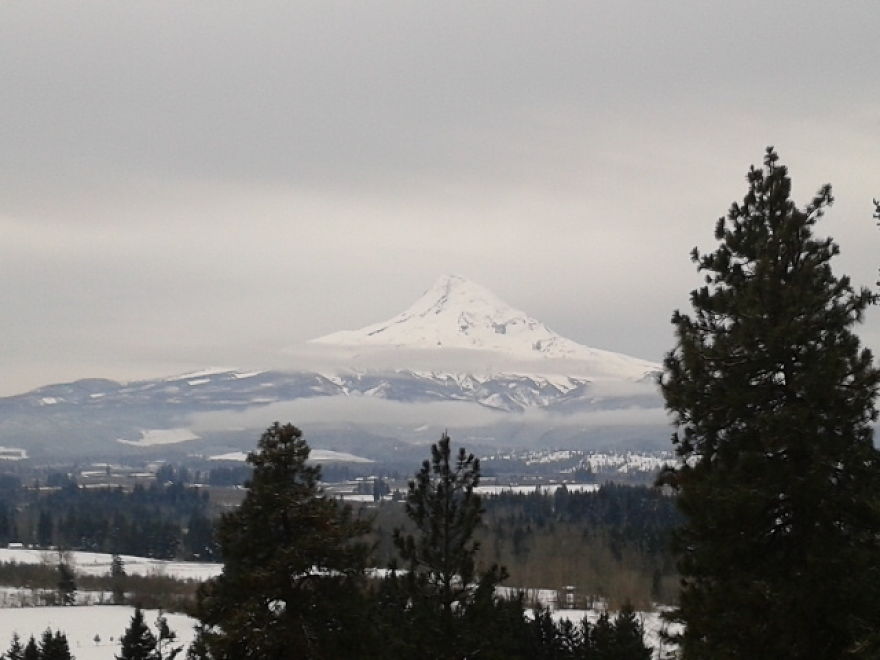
point(51, 646)
point(138, 642)
point(611, 545)
point(296, 579)
point(165, 520)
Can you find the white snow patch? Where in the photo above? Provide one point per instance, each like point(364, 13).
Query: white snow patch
point(544, 489)
point(210, 371)
point(12, 454)
point(153, 437)
point(246, 374)
point(93, 632)
point(98, 563)
point(355, 497)
point(318, 455)
point(231, 456)
point(329, 456)
point(626, 462)
point(49, 400)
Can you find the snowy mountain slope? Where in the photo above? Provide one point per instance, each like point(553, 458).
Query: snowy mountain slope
point(456, 313)
point(228, 391)
point(530, 369)
point(96, 417)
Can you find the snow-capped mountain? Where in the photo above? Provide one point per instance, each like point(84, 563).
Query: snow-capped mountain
point(456, 313)
point(555, 378)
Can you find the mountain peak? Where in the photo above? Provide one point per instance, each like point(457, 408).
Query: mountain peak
point(460, 314)
point(455, 295)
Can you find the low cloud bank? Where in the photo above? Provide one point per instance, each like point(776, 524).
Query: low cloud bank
point(370, 410)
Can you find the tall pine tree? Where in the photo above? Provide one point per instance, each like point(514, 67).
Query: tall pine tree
point(54, 646)
point(117, 579)
point(16, 650)
point(166, 640)
point(66, 581)
point(31, 650)
point(450, 606)
point(138, 642)
point(293, 564)
point(773, 398)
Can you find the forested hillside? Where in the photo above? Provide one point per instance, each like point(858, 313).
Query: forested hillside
point(609, 545)
point(162, 520)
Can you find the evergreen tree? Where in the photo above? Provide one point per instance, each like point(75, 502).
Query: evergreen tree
point(138, 642)
point(198, 650)
point(774, 399)
point(440, 556)
point(31, 650)
point(62, 648)
point(600, 638)
point(6, 534)
point(54, 646)
point(629, 637)
point(198, 542)
point(44, 529)
point(66, 582)
point(551, 641)
point(165, 639)
point(118, 579)
point(16, 650)
point(293, 567)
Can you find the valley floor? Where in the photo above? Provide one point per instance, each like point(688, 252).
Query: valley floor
point(94, 630)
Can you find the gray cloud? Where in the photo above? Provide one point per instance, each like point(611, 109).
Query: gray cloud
point(340, 410)
point(199, 183)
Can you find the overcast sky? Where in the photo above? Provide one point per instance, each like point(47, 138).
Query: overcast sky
point(196, 183)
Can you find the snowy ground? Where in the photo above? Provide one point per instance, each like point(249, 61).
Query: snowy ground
point(652, 622)
point(92, 632)
point(544, 489)
point(96, 563)
point(87, 621)
point(25, 597)
point(315, 456)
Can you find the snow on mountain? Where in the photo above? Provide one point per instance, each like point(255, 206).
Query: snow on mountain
point(458, 344)
point(456, 313)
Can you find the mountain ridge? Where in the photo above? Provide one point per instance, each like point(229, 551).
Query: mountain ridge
point(537, 385)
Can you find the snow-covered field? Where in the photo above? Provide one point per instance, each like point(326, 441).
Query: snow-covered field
point(600, 463)
point(153, 437)
point(316, 456)
point(12, 454)
point(545, 489)
point(630, 461)
point(96, 563)
point(93, 632)
point(653, 623)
